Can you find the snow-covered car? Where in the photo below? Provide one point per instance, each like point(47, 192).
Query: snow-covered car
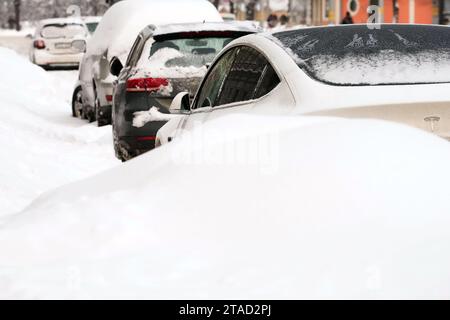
point(112, 41)
point(92, 23)
point(59, 42)
point(399, 73)
point(228, 16)
point(163, 62)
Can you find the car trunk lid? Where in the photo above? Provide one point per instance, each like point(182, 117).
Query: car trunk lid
point(433, 117)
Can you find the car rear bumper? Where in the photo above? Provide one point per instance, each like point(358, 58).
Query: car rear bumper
point(135, 146)
point(105, 112)
point(44, 58)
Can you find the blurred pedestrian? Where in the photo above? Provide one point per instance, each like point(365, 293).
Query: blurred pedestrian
point(284, 20)
point(347, 19)
point(272, 21)
point(11, 22)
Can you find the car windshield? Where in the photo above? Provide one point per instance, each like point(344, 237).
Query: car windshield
point(192, 52)
point(357, 55)
point(63, 31)
point(92, 26)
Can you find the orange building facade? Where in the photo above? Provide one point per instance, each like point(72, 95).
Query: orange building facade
point(390, 11)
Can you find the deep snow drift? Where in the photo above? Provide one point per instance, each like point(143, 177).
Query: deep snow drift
point(42, 147)
point(247, 207)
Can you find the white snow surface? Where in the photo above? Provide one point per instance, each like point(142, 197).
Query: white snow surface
point(387, 67)
point(122, 23)
point(43, 147)
point(246, 207)
point(13, 33)
point(156, 66)
point(141, 118)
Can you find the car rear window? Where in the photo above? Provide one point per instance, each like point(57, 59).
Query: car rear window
point(191, 52)
point(63, 31)
point(356, 55)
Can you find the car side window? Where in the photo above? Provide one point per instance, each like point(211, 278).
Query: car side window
point(268, 82)
point(245, 79)
point(214, 80)
point(135, 52)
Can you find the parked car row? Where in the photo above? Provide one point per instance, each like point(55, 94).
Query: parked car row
point(163, 62)
point(155, 76)
point(398, 73)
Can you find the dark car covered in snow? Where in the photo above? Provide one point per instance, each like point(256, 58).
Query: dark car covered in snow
point(163, 62)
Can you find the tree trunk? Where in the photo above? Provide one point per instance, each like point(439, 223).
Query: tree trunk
point(17, 13)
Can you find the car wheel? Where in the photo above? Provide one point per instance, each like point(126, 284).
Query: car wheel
point(91, 116)
point(118, 149)
point(101, 121)
point(77, 104)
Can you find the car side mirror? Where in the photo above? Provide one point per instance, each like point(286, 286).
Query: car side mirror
point(115, 67)
point(180, 103)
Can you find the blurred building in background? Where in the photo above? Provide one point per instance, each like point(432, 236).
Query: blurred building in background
point(35, 10)
point(323, 12)
point(304, 12)
point(391, 11)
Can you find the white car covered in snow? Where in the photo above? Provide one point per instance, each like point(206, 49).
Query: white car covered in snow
point(113, 40)
point(399, 73)
point(59, 42)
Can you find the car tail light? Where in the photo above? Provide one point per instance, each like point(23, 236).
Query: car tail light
point(146, 84)
point(39, 44)
point(109, 98)
point(147, 138)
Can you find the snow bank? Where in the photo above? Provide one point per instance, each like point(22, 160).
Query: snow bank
point(42, 146)
point(247, 207)
point(13, 33)
point(122, 23)
point(141, 118)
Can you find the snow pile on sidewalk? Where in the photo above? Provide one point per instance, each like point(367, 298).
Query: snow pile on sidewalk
point(247, 207)
point(42, 147)
point(13, 33)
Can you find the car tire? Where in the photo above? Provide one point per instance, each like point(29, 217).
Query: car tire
point(118, 149)
point(101, 121)
point(77, 104)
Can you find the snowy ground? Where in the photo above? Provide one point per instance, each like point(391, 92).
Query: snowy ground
point(15, 41)
point(42, 145)
point(245, 207)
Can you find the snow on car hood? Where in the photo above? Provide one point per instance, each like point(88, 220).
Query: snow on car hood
point(247, 207)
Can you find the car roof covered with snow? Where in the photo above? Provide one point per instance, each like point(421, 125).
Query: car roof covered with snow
point(92, 19)
point(69, 20)
point(122, 23)
point(198, 27)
